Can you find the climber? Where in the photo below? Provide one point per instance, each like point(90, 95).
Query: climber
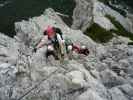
point(54, 41)
point(81, 49)
point(70, 47)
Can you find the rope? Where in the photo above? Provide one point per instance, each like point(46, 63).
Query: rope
point(21, 97)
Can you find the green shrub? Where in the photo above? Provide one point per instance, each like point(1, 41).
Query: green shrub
point(120, 29)
point(98, 34)
point(130, 43)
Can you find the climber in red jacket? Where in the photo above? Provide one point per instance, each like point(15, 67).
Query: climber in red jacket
point(78, 49)
point(81, 50)
point(54, 41)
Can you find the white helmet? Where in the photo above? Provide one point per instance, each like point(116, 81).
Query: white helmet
point(70, 47)
point(83, 47)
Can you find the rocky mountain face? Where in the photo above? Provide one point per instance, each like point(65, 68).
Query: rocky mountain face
point(87, 12)
point(106, 74)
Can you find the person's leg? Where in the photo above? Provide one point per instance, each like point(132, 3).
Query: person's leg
point(51, 51)
point(47, 55)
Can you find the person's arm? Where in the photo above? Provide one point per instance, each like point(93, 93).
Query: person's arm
point(42, 42)
point(76, 48)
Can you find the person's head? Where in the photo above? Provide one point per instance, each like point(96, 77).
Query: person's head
point(70, 47)
point(50, 31)
point(83, 47)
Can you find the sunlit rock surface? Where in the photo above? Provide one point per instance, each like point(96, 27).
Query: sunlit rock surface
point(106, 74)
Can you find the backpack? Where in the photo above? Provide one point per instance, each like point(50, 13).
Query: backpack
point(55, 40)
point(58, 30)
